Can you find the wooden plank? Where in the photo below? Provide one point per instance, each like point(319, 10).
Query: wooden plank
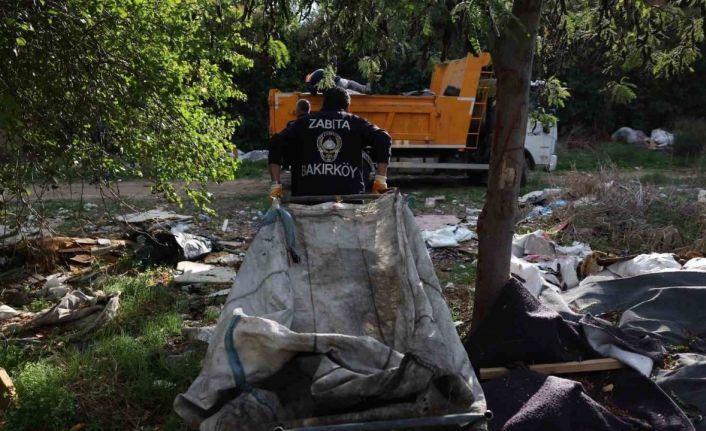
point(7, 390)
point(590, 365)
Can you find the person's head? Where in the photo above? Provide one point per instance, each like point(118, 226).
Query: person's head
point(303, 107)
point(336, 99)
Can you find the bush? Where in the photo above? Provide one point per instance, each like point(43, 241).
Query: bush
point(690, 137)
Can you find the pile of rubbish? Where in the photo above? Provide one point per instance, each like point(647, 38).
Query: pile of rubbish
point(62, 273)
point(659, 139)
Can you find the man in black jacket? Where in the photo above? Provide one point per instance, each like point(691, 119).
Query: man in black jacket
point(327, 151)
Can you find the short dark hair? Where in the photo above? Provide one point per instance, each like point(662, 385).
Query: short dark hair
point(303, 105)
point(336, 99)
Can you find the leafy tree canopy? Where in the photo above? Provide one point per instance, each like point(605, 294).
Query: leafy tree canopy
point(98, 88)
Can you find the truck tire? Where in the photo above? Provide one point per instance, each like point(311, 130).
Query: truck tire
point(525, 172)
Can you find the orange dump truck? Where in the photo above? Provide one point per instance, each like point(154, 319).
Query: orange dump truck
point(446, 130)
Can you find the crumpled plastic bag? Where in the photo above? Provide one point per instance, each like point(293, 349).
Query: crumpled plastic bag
point(662, 138)
point(629, 136)
point(449, 236)
point(646, 264)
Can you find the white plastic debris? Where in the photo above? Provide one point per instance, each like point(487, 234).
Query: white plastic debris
point(224, 227)
point(578, 249)
point(153, 215)
point(449, 236)
point(55, 280)
point(194, 272)
point(530, 273)
point(629, 136)
point(532, 197)
point(434, 221)
point(662, 138)
point(430, 202)
point(203, 333)
point(255, 156)
point(646, 264)
point(222, 292)
point(701, 197)
point(223, 258)
point(696, 264)
point(7, 312)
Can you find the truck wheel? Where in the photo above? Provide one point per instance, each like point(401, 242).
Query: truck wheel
point(525, 172)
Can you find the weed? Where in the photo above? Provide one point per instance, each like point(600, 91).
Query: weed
point(122, 379)
point(38, 304)
point(43, 401)
point(211, 315)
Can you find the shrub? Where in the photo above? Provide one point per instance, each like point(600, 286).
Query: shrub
point(43, 401)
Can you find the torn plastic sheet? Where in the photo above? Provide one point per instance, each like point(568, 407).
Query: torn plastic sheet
point(76, 311)
point(7, 312)
point(450, 236)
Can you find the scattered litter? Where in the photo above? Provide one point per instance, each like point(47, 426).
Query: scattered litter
point(223, 258)
point(88, 206)
point(222, 292)
point(224, 227)
point(194, 272)
point(201, 333)
point(434, 222)
point(472, 215)
point(584, 201)
point(629, 136)
point(538, 196)
point(76, 311)
point(55, 280)
point(430, 202)
point(192, 246)
point(449, 236)
point(576, 249)
point(532, 197)
point(56, 292)
point(254, 156)
point(701, 197)
point(153, 215)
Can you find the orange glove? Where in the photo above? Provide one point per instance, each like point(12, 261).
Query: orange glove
point(276, 191)
point(380, 184)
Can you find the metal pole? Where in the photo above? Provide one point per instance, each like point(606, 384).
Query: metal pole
point(428, 421)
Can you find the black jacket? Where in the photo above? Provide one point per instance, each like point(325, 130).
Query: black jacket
point(326, 150)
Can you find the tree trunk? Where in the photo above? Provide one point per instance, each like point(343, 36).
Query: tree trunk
point(512, 52)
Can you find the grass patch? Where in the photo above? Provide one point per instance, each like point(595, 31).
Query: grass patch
point(252, 169)
point(126, 377)
point(618, 154)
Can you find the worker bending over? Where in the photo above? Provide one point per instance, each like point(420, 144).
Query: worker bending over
point(312, 83)
point(327, 151)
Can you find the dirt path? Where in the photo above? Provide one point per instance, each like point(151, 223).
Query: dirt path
point(140, 189)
